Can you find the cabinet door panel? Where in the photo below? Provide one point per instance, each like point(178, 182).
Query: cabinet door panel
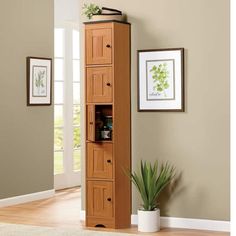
point(90, 117)
point(99, 84)
point(99, 159)
point(100, 198)
point(98, 46)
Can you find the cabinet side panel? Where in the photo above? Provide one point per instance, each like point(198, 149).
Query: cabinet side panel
point(122, 126)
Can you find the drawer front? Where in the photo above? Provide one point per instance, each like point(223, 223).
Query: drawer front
point(99, 84)
point(98, 46)
point(99, 160)
point(100, 199)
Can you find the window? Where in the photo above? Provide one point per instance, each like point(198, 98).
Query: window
point(76, 100)
point(67, 132)
point(59, 75)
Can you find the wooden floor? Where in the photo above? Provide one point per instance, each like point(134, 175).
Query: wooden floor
point(63, 211)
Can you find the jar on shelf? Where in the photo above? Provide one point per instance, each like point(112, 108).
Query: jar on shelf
point(106, 133)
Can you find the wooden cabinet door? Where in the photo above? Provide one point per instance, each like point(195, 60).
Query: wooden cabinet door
point(90, 123)
point(99, 84)
point(98, 46)
point(100, 198)
point(99, 160)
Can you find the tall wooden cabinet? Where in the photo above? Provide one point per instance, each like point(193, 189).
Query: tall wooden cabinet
point(107, 71)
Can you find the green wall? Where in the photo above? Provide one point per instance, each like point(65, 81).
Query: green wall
point(26, 133)
point(196, 141)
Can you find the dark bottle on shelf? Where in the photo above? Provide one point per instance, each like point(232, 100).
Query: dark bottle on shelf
point(108, 122)
point(99, 125)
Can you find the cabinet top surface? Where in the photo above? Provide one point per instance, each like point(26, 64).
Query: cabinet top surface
point(105, 21)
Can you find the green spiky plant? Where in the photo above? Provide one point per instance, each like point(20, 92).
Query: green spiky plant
point(91, 9)
point(150, 181)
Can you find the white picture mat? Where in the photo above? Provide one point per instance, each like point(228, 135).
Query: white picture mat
point(144, 104)
point(40, 100)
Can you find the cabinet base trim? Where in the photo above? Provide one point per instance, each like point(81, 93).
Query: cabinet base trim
point(98, 222)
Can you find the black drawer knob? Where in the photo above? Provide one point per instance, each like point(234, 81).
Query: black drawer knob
point(108, 161)
point(108, 84)
point(108, 46)
point(109, 199)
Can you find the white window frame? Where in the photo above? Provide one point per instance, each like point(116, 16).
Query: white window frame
point(69, 178)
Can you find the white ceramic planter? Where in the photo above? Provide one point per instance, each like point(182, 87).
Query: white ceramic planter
point(149, 221)
point(106, 17)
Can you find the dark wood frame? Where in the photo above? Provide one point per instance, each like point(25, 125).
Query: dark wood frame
point(28, 81)
point(182, 81)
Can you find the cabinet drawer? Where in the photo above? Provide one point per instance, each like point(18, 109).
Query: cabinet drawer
point(100, 198)
point(98, 46)
point(99, 160)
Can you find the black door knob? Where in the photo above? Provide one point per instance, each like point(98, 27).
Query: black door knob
point(109, 199)
point(108, 84)
point(108, 46)
point(108, 161)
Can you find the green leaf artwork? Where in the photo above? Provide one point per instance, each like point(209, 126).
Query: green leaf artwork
point(39, 81)
point(160, 76)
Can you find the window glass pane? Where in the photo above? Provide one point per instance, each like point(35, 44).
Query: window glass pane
point(76, 157)
point(58, 138)
point(76, 137)
point(76, 93)
point(58, 163)
point(59, 42)
point(58, 115)
point(76, 45)
point(59, 69)
point(58, 97)
point(76, 115)
point(76, 70)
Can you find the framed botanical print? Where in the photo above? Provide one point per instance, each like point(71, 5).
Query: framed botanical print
point(39, 81)
point(161, 80)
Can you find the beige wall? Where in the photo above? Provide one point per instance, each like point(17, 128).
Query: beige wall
point(26, 133)
point(196, 141)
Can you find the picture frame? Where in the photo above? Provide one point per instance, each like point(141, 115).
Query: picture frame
point(161, 80)
point(39, 81)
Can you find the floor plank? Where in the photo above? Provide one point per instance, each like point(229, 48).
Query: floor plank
point(63, 210)
point(59, 211)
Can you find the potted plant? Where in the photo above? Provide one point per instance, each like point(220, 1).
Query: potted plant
point(150, 181)
point(95, 13)
point(91, 9)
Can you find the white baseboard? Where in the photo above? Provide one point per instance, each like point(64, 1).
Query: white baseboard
point(26, 198)
point(185, 223)
point(82, 215)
